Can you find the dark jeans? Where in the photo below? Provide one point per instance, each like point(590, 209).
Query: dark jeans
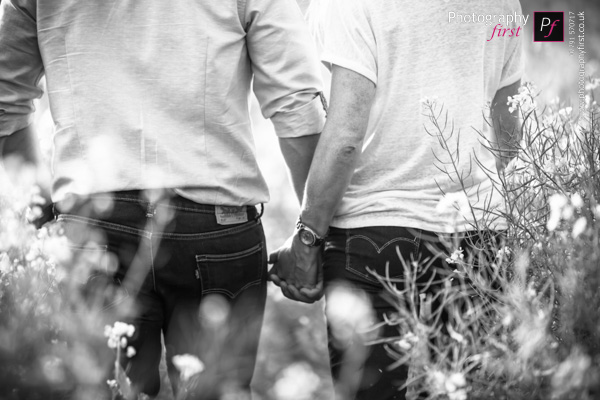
point(349, 255)
point(201, 284)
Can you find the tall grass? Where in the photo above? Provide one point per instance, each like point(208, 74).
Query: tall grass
point(523, 314)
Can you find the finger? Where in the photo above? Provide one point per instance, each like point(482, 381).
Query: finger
point(286, 291)
point(313, 294)
point(275, 279)
point(273, 257)
point(298, 296)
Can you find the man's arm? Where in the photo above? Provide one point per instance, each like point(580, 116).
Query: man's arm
point(298, 155)
point(287, 80)
point(506, 126)
point(339, 148)
point(332, 168)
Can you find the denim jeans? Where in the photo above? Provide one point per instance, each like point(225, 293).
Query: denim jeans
point(200, 284)
point(349, 257)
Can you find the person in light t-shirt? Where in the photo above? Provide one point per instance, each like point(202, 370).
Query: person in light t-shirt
point(382, 171)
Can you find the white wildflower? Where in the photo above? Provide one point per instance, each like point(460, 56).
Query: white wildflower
point(565, 112)
point(112, 384)
point(117, 334)
point(131, 352)
point(297, 382)
point(579, 227)
point(456, 256)
point(5, 265)
point(455, 382)
point(524, 100)
point(407, 341)
point(504, 252)
point(576, 200)
point(559, 208)
point(188, 365)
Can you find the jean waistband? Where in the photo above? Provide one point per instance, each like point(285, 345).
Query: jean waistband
point(168, 199)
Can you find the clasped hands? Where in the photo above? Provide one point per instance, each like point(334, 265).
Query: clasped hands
point(297, 270)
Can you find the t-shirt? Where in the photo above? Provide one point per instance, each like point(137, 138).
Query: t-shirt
point(413, 51)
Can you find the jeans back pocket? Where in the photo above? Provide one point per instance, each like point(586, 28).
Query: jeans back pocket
point(231, 274)
point(369, 257)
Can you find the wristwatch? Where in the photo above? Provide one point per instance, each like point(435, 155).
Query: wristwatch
point(308, 236)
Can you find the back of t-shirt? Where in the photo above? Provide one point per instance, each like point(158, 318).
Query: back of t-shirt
point(414, 51)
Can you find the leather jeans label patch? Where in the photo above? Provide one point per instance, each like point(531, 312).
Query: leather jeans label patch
point(230, 215)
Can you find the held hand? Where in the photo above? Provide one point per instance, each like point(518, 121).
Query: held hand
point(297, 271)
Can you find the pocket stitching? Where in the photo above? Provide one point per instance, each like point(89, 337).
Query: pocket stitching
point(369, 277)
point(229, 257)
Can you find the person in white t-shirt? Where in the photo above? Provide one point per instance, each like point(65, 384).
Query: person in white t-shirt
point(382, 167)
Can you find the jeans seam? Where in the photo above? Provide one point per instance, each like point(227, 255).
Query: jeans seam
point(166, 205)
point(103, 224)
point(229, 257)
point(146, 234)
point(234, 295)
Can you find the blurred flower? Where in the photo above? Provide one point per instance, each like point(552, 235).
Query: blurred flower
point(5, 265)
point(504, 252)
point(116, 334)
point(592, 84)
point(559, 209)
point(576, 200)
point(453, 385)
point(456, 386)
point(407, 341)
point(188, 365)
point(53, 369)
point(112, 384)
point(565, 112)
point(348, 312)
point(456, 256)
point(131, 352)
point(297, 382)
point(579, 227)
point(454, 202)
point(571, 373)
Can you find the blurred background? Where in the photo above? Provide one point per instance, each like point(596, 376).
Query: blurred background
point(293, 358)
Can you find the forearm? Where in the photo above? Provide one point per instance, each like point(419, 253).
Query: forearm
point(330, 175)
point(506, 126)
point(298, 155)
point(340, 147)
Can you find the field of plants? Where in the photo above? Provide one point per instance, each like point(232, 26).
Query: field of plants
point(524, 313)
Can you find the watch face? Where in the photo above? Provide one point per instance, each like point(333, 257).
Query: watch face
point(306, 237)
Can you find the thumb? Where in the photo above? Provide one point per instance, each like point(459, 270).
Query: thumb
point(274, 257)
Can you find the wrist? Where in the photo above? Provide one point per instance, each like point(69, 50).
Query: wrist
point(309, 236)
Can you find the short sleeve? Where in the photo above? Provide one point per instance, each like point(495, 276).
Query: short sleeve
point(346, 37)
point(287, 79)
point(513, 67)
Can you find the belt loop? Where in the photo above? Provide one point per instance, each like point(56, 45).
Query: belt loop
point(262, 211)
